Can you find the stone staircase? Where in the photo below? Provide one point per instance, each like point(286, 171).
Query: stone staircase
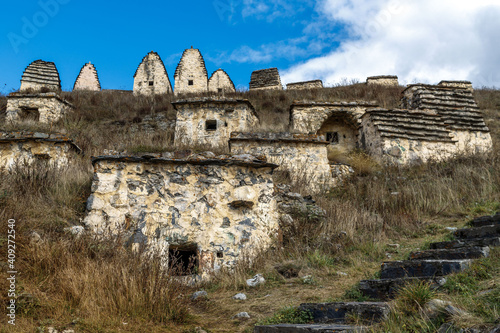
point(431, 265)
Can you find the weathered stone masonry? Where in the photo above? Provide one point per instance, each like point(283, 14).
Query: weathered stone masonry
point(383, 80)
point(40, 75)
point(405, 136)
point(87, 79)
point(303, 155)
point(338, 122)
point(314, 84)
point(265, 79)
point(216, 208)
point(191, 74)
point(151, 77)
point(25, 148)
point(454, 102)
point(220, 82)
point(210, 121)
point(43, 107)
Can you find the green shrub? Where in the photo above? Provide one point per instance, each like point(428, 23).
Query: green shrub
point(288, 315)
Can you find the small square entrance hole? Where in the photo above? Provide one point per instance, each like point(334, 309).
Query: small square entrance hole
point(29, 114)
point(190, 82)
point(183, 260)
point(211, 125)
point(332, 137)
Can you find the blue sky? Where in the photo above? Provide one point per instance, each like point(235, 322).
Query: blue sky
point(332, 40)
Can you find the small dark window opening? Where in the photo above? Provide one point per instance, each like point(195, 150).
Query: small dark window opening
point(29, 114)
point(151, 83)
point(332, 137)
point(211, 125)
point(183, 260)
point(219, 90)
point(190, 82)
point(220, 254)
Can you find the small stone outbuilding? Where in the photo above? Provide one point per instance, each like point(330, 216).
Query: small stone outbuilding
point(22, 149)
point(303, 156)
point(203, 212)
point(220, 83)
point(454, 102)
point(151, 77)
point(383, 80)
point(191, 74)
point(40, 76)
point(210, 121)
point(43, 107)
point(314, 84)
point(338, 122)
point(406, 136)
point(87, 80)
point(266, 79)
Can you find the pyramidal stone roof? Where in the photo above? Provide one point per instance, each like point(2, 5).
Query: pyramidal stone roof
point(223, 78)
point(190, 58)
point(412, 125)
point(87, 79)
point(456, 105)
point(41, 74)
point(265, 78)
point(153, 69)
point(151, 56)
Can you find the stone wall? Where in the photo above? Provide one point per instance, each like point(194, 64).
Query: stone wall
point(40, 75)
point(456, 84)
point(209, 121)
point(406, 137)
point(220, 208)
point(454, 102)
point(315, 84)
point(309, 117)
point(191, 74)
point(265, 79)
point(383, 80)
point(220, 82)
point(45, 108)
point(87, 79)
point(151, 77)
point(25, 148)
point(304, 156)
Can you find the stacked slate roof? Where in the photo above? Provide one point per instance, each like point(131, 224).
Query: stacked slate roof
point(455, 105)
point(264, 78)
point(42, 73)
point(412, 125)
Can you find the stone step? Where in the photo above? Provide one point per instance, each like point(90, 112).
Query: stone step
point(481, 242)
point(422, 268)
point(339, 313)
point(487, 231)
point(307, 328)
point(486, 220)
point(466, 252)
point(385, 289)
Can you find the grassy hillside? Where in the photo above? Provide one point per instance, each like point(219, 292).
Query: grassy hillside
point(92, 286)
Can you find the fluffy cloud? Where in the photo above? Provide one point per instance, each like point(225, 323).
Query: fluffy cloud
point(424, 41)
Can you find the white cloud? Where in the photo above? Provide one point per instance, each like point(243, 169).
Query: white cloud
point(424, 41)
